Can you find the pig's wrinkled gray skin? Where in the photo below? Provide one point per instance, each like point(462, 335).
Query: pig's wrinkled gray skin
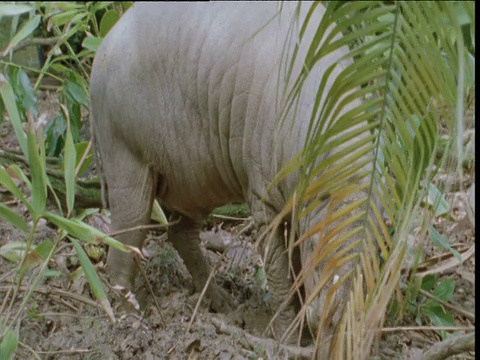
point(185, 102)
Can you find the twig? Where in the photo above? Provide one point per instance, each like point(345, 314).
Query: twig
point(465, 313)
point(17, 156)
point(253, 341)
point(46, 87)
point(421, 328)
point(226, 217)
point(149, 286)
point(28, 42)
point(64, 302)
point(73, 351)
point(7, 275)
point(29, 349)
point(451, 346)
point(202, 294)
point(47, 291)
point(245, 228)
point(139, 227)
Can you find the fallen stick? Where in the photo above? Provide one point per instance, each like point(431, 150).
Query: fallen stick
point(297, 352)
point(451, 346)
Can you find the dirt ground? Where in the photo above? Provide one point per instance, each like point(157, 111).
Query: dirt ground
point(63, 321)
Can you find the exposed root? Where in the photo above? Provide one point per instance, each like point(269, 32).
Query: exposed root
point(254, 342)
point(451, 346)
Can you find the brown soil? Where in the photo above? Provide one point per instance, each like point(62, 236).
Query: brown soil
point(63, 321)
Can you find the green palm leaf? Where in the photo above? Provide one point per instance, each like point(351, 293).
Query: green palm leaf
point(376, 131)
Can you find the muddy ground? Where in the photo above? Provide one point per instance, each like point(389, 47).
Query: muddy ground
point(63, 321)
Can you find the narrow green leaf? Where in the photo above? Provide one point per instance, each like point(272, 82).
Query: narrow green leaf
point(108, 20)
point(76, 91)
point(6, 181)
point(158, 214)
point(37, 170)
point(437, 200)
point(15, 172)
point(99, 5)
point(52, 273)
point(429, 281)
point(13, 218)
point(25, 91)
point(126, 5)
point(14, 9)
point(83, 231)
point(80, 149)
point(61, 68)
point(444, 291)
point(9, 100)
point(78, 19)
point(89, 271)
point(64, 6)
point(2, 110)
point(461, 14)
point(37, 256)
point(438, 316)
point(71, 227)
point(43, 249)
point(92, 278)
point(14, 251)
point(442, 242)
point(63, 17)
point(92, 43)
point(24, 32)
point(69, 164)
point(8, 345)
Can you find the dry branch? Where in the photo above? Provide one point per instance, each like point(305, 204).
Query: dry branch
point(87, 191)
point(449, 347)
point(255, 342)
point(29, 42)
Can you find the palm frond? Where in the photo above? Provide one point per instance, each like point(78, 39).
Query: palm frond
point(370, 148)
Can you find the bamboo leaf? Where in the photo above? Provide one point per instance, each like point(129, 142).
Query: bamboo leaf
point(83, 231)
point(13, 218)
point(108, 20)
point(9, 100)
point(23, 33)
point(92, 43)
point(6, 181)
point(69, 164)
point(14, 251)
point(14, 9)
point(93, 279)
point(37, 170)
point(8, 345)
point(441, 242)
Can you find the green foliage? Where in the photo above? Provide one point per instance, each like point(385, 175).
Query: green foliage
point(76, 30)
point(81, 151)
point(25, 254)
point(411, 68)
point(24, 94)
point(8, 98)
point(442, 242)
point(432, 310)
point(414, 65)
point(92, 277)
point(8, 344)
